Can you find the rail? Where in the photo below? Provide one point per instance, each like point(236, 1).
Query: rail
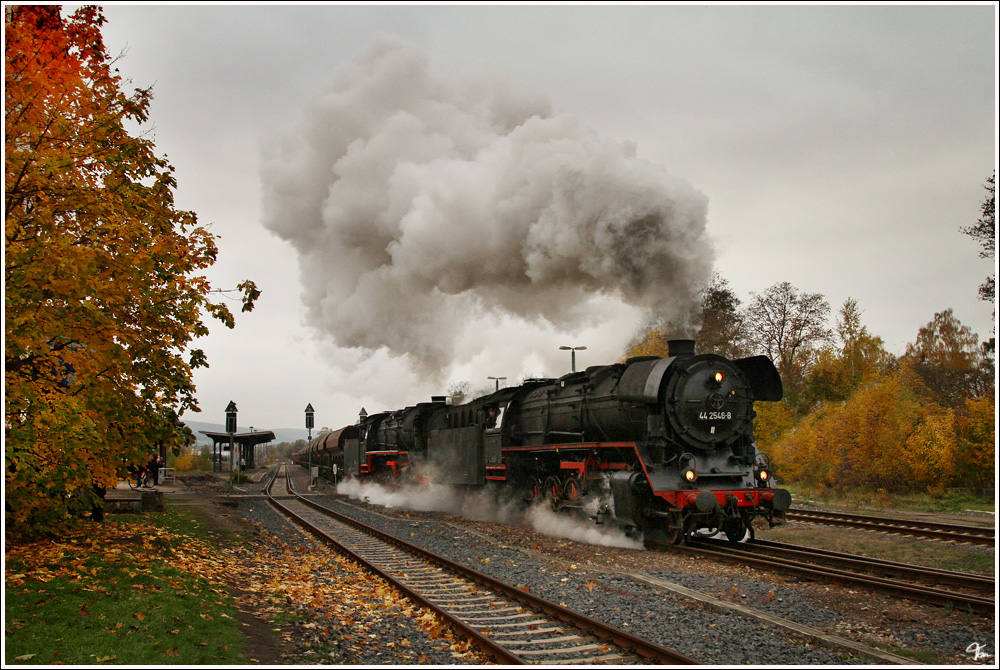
point(550, 622)
point(916, 528)
point(798, 561)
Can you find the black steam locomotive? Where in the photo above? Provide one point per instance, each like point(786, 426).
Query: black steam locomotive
point(661, 446)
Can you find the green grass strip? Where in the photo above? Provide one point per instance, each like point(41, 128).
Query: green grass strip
point(129, 591)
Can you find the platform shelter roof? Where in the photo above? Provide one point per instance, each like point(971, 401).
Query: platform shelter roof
point(243, 439)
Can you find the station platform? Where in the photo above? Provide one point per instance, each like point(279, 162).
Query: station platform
point(193, 486)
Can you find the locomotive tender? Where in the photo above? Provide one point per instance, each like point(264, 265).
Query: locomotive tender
point(661, 446)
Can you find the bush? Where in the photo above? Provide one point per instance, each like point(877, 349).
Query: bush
point(889, 436)
point(193, 459)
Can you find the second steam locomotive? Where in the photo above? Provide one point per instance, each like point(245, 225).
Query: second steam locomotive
point(661, 446)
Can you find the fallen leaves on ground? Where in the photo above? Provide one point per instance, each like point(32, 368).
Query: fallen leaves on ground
point(331, 599)
point(119, 542)
point(337, 600)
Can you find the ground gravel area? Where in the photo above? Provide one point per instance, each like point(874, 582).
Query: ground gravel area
point(596, 581)
point(674, 622)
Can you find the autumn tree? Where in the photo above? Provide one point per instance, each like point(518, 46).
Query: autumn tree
point(103, 291)
point(649, 340)
point(722, 323)
point(842, 366)
point(720, 332)
point(975, 459)
point(985, 233)
point(889, 435)
point(789, 326)
point(947, 356)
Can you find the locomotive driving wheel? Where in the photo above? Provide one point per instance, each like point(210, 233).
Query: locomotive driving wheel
point(534, 490)
point(675, 535)
point(552, 490)
point(674, 530)
point(572, 489)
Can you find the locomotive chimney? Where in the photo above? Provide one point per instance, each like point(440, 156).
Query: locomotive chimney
point(680, 348)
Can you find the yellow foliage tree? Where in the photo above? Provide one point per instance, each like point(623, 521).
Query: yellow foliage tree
point(650, 341)
point(975, 457)
point(889, 435)
point(859, 356)
point(774, 420)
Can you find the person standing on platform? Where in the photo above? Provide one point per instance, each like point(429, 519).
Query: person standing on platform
point(154, 469)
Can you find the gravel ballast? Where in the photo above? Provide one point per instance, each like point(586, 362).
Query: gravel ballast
point(597, 584)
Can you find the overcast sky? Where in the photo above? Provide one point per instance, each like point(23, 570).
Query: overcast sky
point(839, 148)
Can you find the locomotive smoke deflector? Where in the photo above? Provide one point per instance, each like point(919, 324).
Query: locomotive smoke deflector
point(765, 382)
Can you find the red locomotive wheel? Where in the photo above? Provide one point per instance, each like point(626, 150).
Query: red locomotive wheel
point(675, 535)
point(552, 489)
point(572, 489)
point(534, 490)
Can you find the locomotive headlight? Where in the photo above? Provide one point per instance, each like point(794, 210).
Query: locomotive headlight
point(690, 475)
point(720, 377)
point(762, 475)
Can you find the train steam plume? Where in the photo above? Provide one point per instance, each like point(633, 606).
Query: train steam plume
point(416, 204)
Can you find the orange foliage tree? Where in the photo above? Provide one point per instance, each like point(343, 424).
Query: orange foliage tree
point(858, 357)
point(649, 341)
point(975, 458)
point(889, 435)
point(103, 293)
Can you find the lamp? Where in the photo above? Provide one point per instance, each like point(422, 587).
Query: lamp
point(573, 351)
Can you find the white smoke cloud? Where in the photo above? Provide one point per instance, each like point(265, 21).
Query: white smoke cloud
point(420, 207)
point(480, 505)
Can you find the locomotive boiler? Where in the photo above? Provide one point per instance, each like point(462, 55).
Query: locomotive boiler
point(659, 446)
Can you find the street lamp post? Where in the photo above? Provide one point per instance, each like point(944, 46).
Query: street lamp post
point(309, 426)
point(498, 381)
point(573, 351)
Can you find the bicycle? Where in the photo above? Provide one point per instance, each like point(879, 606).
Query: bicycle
point(143, 479)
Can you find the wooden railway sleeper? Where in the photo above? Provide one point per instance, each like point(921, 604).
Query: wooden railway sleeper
point(466, 603)
point(565, 650)
point(495, 611)
point(443, 594)
point(507, 634)
point(551, 640)
point(499, 617)
point(427, 583)
point(521, 624)
point(607, 658)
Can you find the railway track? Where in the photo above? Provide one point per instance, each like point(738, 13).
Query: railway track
point(508, 624)
point(915, 528)
point(897, 579)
